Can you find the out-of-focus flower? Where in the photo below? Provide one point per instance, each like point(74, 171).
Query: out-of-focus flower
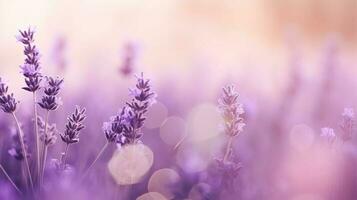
point(58, 52)
point(129, 58)
point(231, 111)
point(74, 126)
point(347, 124)
point(16, 150)
point(60, 168)
point(31, 67)
point(7, 101)
point(222, 174)
point(328, 134)
point(51, 101)
point(48, 137)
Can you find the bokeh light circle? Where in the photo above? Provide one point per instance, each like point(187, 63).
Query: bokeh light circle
point(203, 122)
point(173, 130)
point(164, 181)
point(156, 115)
point(151, 196)
point(130, 163)
point(301, 137)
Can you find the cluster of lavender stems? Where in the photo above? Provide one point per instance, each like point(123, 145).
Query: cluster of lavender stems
point(231, 111)
point(50, 102)
point(8, 105)
point(125, 127)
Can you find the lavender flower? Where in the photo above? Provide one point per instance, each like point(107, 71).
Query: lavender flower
point(51, 101)
point(114, 128)
point(74, 126)
point(48, 137)
point(126, 127)
point(231, 111)
point(31, 67)
point(347, 124)
point(129, 58)
point(328, 134)
point(16, 149)
point(7, 101)
point(225, 173)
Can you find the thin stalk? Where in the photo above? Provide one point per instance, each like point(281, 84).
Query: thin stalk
point(44, 150)
point(44, 162)
point(20, 134)
point(179, 143)
point(95, 160)
point(10, 180)
point(38, 164)
point(228, 149)
point(64, 156)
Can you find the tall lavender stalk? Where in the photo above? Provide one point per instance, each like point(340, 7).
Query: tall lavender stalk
point(31, 71)
point(73, 127)
point(8, 105)
point(125, 127)
point(50, 102)
point(231, 111)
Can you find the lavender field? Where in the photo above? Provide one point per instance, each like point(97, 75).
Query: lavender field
point(178, 99)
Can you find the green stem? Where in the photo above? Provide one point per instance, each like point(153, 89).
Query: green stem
point(10, 180)
point(20, 135)
point(38, 164)
point(95, 160)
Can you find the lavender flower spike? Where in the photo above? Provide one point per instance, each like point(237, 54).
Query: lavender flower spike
point(31, 67)
point(347, 125)
point(16, 150)
point(48, 137)
point(51, 101)
point(74, 126)
point(231, 111)
point(7, 101)
point(134, 112)
point(125, 128)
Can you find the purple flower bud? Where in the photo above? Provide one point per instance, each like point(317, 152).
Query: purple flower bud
point(74, 126)
point(50, 101)
point(31, 68)
point(7, 101)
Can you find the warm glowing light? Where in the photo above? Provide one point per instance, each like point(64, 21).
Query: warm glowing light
point(203, 122)
point(130, 163)
point(163, 181)
point(173, 130)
